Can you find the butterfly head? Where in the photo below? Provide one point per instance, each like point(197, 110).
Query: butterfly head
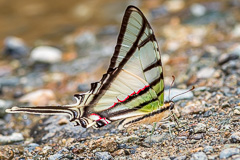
point(169, 104)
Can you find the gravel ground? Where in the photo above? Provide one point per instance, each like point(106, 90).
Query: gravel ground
point(200, 46)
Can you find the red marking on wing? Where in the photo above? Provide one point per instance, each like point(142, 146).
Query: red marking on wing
point(99, 118)
point(94, 114)
point(142, 89)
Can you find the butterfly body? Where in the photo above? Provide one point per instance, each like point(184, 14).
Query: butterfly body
point(132, 90)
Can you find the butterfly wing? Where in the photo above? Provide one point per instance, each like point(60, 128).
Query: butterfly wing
point(132, 87)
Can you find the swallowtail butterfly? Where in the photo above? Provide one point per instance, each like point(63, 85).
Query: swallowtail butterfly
point(132, 90)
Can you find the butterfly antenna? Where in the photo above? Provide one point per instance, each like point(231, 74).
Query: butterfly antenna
point(171, 87)
point(193, 87)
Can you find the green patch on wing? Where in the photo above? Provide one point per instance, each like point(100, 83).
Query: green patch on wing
point(150, 107)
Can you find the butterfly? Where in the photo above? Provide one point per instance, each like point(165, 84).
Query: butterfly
point(132, 90)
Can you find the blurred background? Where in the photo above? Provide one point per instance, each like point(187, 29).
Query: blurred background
point(53, 49)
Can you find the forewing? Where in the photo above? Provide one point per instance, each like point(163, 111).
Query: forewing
point(133, 84)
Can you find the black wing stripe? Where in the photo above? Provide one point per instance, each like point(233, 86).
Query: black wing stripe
point(145, 41)
point(151, 66)
point(106, 85)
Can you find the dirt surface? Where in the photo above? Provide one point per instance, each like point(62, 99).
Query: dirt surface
point(200, 45)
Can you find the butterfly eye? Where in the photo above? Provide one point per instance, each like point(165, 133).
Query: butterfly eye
point(83, 123)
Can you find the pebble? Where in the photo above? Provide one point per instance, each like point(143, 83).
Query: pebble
point(56, 156)
point(192, 108)
point(129, 139)
point(14, 137)
point(3, 106)
point(84, 41)
point(63, 121)
point(200, 128)
point(235, 137)
point(38, 97)
point(159, 12)
point(238, 91)
point(225, 105)
point(207, 113)
point(46, 54)
point(212, 157)
point(103, 156)
point(208, 149)
point(109, 145)
point(175, 91)
point(180, 158)
point(15, 47)
point(205, 72)
point(235, 50)
point(199, 156)
point(31, 147)
point(83, 88)
point(236, 31)
point(198, 10)
point(197, 136)
point(156, 138)
point(46, 149)
point(226, 153)
point(167, 125)
point(236, 112)
point(174, 6)
point(144, 155)
point(9, 82)
point(224, 58)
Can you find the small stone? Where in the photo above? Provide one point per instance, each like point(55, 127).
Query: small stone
point(109, 145)
point(156, 138)
point(198, 10)
point(235, 137)
point(207, 113)
point(129, 139)
point(175, 91)
point(227, 127)
point(236, 31)
point(144, 155)
point(84, 41)
point(46, 54)
point(15, 47)
point(225, 105)
point(224, 58)
point(199, 156)
point(63, 121)
point(226, 153)
point(83, 88)
point(174, 5)
point(212, 157)
point(180, 158)
point(167, 125)
point(15, 137)
point(32, 146)
point(56, 156)
point(191, 109)
point(200, 128)
point(205, 73)
point(103, 156)
point(208, 149)
point(238, 91)
point(39, 97)
point(212, 129)
point(46, 149)
point(236, 112)
point(197, 136)
point(3, 106)
point(9, 82)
